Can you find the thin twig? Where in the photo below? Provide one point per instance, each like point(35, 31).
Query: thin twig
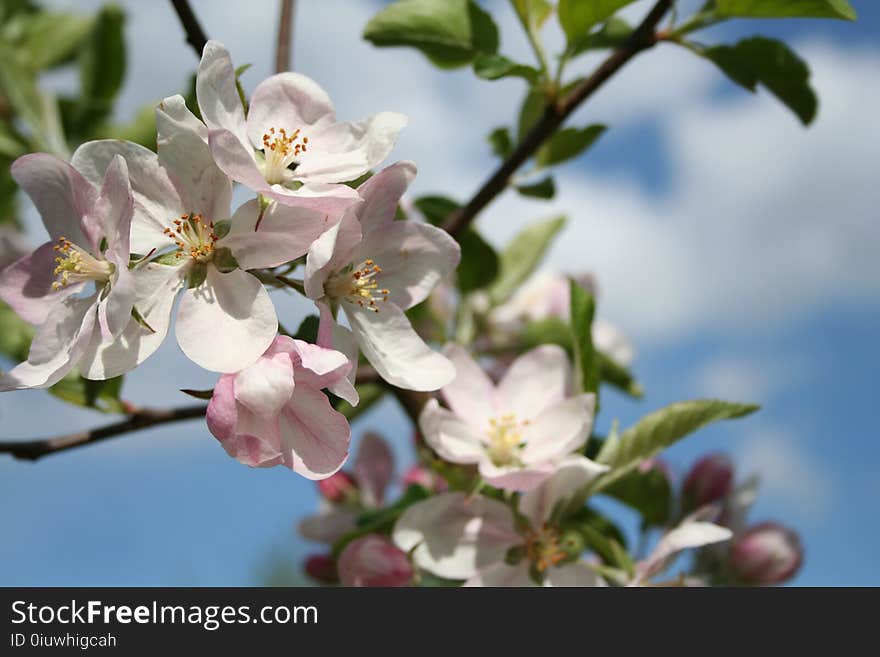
point(283, 50)
point(143, 419)
point(641, 39)
point(195, 35)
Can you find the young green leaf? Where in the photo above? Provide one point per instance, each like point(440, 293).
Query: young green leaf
point(479, 262)
point(545, 189)
point(587, 365)
point(613, 33)
point(774, 65)
point(500, 141)
point(659, 430)
point(522, 255)
point(99, 395)
point(578, 17)
point(567, 143)
point(436, 209)
point(533, 108)
point(198, 394)
point(649, 493)
point(449, 32)
point(495, 67)
point(786, 9)
point(532, 13)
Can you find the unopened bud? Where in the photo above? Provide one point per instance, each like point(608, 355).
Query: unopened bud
point(338, 488)
point(373, 560)
point(767, 553)
point(423, 477)
point(321, 568)
point(708, 481)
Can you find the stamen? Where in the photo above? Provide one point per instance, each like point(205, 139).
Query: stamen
point(76, 265)
point(281, 150)
point(359, 285)
point(193, 236)
point(543, 548)
point(505, 439)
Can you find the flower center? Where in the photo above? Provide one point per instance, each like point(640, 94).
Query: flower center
point(76, 265)
point(358, 285)
point(505, 439)
point(194, 237)
point(543, 548)
point(281, 150)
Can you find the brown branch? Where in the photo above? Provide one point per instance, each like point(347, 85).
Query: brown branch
point(641, 39)
point(283, 57)
point(32, 450)
point(195, 35)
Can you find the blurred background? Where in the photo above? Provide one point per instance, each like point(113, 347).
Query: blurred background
point(738, 250)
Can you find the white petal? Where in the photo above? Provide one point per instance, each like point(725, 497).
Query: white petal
point(218, 98)
point(471, 394)
point(559, 430)
point(329, 252)
point(265, 386)
point(226, 323)
point(573, 474)
point(685, 536)
point(396, 351)
point(382, 193)
point(536, 380)
point(502, 575)
point(453, 536)
point(576, 573)
point(289, 101)
point(449, 436)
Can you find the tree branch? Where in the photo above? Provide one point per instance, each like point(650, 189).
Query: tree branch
point(641, 39)
point(32, 450)
point(195, 35)
point(283, 57)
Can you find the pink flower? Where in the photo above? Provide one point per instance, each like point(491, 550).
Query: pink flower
point(321, 568)
point(372, 472)
point(77, 288)
point(516, 432)
point(709, 480)
point(373, 560)
point(226, 318)
point(467, 538)
point(766, 553)
point(374, 269)
point(290, 147)
point(274, 413)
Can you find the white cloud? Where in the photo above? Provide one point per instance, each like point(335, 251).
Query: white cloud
point(747, 377)
point(789, 477)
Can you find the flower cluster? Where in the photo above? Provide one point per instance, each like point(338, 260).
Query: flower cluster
point(132, 231)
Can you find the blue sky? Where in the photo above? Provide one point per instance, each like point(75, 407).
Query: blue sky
point(737, 249)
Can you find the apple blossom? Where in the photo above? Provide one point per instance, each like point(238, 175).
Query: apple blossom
point(321, 568)
point(371, 474)
point(373, 560)
point(274, 413)
point(290, 146)
point(225, 320)
point(473, 538)
point(516, 432)
point(76, 289)
point(708, 480)
point(374, 268)
point(766, 553)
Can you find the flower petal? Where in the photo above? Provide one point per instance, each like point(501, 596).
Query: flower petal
point(26, 285)
point(330, 251)
point(184, 153)
point(113, 209)
point(265, 386)
point(687, 535)
point(289, 101)
point(573, 474)
point(314, 437)
point(344, 151)
point(59, 191)
point(236, 160)
point(329, 525)
point(515, 478)
point(396, 351)
point(218, 98)
point(453, 536)
point(471, 394)
point(449, 436)
point(414, 257)
point(332, 335)
point(382, 193)
point(577, 573)
point(373, 469)
point(536, 380)
point(559, 430)
point(502, 575)
point(225, 324)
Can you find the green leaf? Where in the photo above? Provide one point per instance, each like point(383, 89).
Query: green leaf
point(15, 334)
point(649, 493)
point(545, 189)
point(659, 430)
point(619, 376)
point(786, 9)
point(102, 64)
point(533, 108)
point(613, 34)
point(479, 262)
point(18, 84)
point(436, 208)
point(774, 65)
point(449, 32)
point(99, 395)
point(53, 38)
point(10, 145)
point(522, 255)
point(609, 550)
point(495, 67)
point(381, 520)
point(532, 13)
point(587, 367)
point(500, 141)
point(198, 394)
point(578, 17)
point(567, 143)
point(308, 329)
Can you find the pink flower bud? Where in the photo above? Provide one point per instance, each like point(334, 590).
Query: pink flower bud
point(373, 560)
point(321, 568)
point(766, 553)
point(425, 478)
point(338, 487)
point(708, 481)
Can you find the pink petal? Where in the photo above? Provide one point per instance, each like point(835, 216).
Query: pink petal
point(373, 468)
point(289, 101)
point(26, 285)
point(471, 394)
point(559, 429)
point(314, 436)
point(382, 193)
point(449, 436)
point(373, 560)
point(536, 380)
point(218, 97)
